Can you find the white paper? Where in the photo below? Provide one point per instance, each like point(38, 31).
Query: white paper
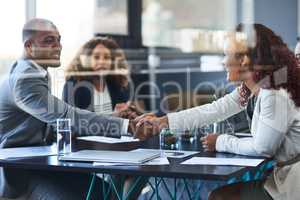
point(169, 153)
point(22, 152)
point(156, 161)
point(223, 161)
point(109, 140)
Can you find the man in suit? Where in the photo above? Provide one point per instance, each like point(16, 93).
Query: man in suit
point(27, 107)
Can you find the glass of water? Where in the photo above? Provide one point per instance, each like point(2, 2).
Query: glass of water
point(64, 136)
point(168, 139)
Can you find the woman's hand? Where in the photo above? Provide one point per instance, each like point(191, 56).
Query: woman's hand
point(126, 110)
point(150, 120)
point(209, 142)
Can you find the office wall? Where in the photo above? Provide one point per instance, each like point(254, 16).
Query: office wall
point(279, 15)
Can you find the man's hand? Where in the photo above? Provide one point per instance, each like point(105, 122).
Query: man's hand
point(141, 132)
point(126, 110)
point(209, 142)
point(153, 122)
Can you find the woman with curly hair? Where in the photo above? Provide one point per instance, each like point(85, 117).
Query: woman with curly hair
point(267, 71)
point(97, 78)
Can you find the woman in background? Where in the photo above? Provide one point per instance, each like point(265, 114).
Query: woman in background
point(97, 79)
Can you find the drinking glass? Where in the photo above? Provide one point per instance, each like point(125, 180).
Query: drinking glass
point(168, 139)
point(64, 136)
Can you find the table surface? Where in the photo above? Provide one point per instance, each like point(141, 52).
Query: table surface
point(173, 170)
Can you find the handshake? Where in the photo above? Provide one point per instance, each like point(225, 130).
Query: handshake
point(142, 126)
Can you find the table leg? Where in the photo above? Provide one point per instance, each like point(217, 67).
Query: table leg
point(119, 196)
point(175, 188)
point(187, 188)
point(88, 197)
point(153, 190)
point(105, 193)
point(156, 188)
point(168, 191)
point(132, 188)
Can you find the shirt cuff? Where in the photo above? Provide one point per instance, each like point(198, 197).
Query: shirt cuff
point(173, 121)
point(220, 147)
point(124, 130)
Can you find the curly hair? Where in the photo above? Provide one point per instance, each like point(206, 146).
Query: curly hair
point(118, 61)
point(273, 64)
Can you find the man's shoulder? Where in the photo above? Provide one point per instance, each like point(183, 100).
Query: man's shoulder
point(26, 68)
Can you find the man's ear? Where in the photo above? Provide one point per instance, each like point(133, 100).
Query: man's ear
point(28, 46)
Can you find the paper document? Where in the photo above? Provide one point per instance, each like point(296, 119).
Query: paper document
point(20, 152)
point(223, 161)
point(102, 139)
point(169, 153)
point(156, 161)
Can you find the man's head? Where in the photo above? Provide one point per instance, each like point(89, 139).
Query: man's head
point(42, 42)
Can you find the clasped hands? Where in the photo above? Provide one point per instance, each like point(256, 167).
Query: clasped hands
point(141, 126)
point(144, 126)
point(147, 125)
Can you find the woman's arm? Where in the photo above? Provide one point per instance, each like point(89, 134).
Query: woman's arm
point(206, 114)
point(268, 129)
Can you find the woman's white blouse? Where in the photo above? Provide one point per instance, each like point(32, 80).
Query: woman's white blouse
point(102, 102)
point(275, 129)
point(275, 125)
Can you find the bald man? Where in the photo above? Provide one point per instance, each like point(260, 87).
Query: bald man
point(27, 107)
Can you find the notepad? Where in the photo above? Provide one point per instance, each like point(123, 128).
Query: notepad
point(223, 161)
point(110, 140)
point(110, 156)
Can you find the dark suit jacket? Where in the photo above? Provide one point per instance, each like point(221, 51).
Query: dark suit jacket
point(81, 93)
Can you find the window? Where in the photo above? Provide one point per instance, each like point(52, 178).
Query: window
point(111, 17)
point(187, 25)
point(74, 19)
point(12, 19)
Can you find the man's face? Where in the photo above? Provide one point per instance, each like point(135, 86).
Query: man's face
point(45, 48)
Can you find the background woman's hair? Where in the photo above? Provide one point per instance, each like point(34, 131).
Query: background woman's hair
point(118, 61)
point(273, 64)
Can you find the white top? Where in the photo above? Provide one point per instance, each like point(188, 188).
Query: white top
point(275, 127)
point(103, 105)
point(102, 102)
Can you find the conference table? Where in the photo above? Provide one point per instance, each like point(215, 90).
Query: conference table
point(174, 171)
